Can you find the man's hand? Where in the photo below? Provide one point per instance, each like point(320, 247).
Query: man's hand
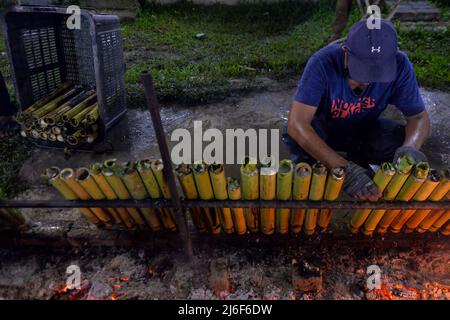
point(415, 154)
point(359, 185)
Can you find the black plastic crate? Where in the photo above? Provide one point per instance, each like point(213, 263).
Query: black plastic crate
point(44, 52)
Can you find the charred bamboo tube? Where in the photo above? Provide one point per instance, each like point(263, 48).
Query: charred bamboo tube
point(114, 173)
point(100, 179)
point(46, 99)
point(316, 192)
point(440, 221)
point(78, 108)
point(381, 180)
point(302, 181)
point(137, 189)
point(333, 188)
point(52, 105)
point(76, 120)
point(402, 170)
point(74, 138)
point(187, 182)
point(408, 190)
point(250, 191)
point(166, 214)
point(267, 191)
point(54, 177)
point(422, 194)
point(206, 192)
point(234, 192)
point(437, 195)
point(284, 192)
point(84, 178)
point(219, 185)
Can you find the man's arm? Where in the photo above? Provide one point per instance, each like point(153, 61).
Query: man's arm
point(357, 183)
point(417, 130)
point(300, 129)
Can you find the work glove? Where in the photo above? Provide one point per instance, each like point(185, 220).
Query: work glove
point(415, 154)
point(358, 184)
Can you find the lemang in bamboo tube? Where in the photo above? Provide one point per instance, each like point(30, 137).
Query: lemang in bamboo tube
point(302, 181)
point(381, 179)
point(187, 182)
point(205, 191)
point(409, 188)
point(234, 192)
point(403, 168)
point(284, 192)
point(422, 194)
point(136, 188)
point(167, 218)
point(440, 221)
point(316, 192)
point(96, 170)
point(250, 191)
point(437, 195)
point(333, 188)
point(267, 191)
point(219, 184)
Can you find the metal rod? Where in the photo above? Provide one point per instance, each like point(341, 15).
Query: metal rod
point(149, 203)
point(152, 102)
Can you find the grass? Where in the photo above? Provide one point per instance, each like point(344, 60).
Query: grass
point(240, 42)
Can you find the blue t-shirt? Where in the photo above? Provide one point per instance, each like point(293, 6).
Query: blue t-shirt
point(324, 85)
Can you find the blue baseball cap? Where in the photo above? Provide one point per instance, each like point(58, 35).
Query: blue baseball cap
point(372, 53)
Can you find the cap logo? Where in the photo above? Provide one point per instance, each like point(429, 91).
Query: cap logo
point(377, 50)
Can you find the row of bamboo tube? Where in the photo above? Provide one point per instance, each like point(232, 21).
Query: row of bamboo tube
point(406, 181)
point(67, 115)
point(300, 182)
point(111, 180)
point(402, 181)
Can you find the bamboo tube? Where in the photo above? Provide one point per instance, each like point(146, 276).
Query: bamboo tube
point(381, 179)
point(75, 120)
point(437, 195)
point(440, 221)
point(422, 194)
point(166, 214)
point(284, 192)
point(92, 137)
point(219, 185)
point(402, 170)
point(53, 176)
point(60, 138)
point(333, 188)
point(187, 182)
point(44, 100)
point(145, 171)
point(408, 190)
point(234, 192)
point(431, 218)
point(84, 178)
point(23, 133)
point(34, 134)
point(78, 108)
point(92, 116)
point(267, 191)
point(137, 189)
point(43, 136)
point(55, 103)
point(74, 138)
point(302, 181)
point(250, 191)
point(96, 172)
point(316, 192)
point(206, 192)
point(445, 231)
point(52, 137)
point(114, 173)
